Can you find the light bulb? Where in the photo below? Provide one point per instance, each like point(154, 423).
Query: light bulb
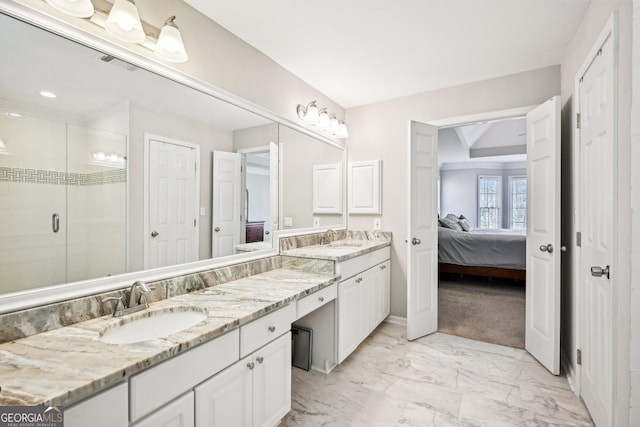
point(169, 46)
point(124, 23)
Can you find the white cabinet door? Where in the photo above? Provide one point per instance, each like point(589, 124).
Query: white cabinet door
point(178, 413)
point(352, 315)
point(226, 399)
point(379, 294)
point(107, 409)
point(272, 382)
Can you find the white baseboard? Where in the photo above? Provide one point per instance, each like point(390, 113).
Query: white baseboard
point(396, 320)
point(567, 367)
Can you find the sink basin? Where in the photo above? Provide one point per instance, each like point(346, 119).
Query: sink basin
point(345, 245)
point(153, 324)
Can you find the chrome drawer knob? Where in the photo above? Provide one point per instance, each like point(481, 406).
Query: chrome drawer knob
point(272, 328)
point(251, 365)
point(321, 299)
point(260, 359)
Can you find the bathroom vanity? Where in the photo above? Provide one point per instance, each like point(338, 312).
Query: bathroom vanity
point(231, 368)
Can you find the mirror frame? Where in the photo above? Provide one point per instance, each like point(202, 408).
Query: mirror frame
point(65, 291)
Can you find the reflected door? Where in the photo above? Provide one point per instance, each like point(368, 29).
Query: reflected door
point(227, 203)
point(173, 228)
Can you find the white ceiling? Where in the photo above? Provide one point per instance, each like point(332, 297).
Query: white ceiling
point(361, 51)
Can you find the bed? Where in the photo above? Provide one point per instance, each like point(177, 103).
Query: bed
point(492, 253)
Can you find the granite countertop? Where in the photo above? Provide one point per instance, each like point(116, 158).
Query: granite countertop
point(65, 365)
point(339, 250)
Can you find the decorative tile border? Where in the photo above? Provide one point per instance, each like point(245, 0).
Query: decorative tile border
point(39, 176)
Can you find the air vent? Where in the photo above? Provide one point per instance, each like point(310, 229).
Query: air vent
point(118, 63)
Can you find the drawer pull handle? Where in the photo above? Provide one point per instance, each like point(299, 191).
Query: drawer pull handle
point(272, 328)
point(382, 267)
point(260, 359)
point(251, 365)
point(321, 299)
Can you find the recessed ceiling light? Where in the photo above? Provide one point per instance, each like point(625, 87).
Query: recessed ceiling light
point(47, 94)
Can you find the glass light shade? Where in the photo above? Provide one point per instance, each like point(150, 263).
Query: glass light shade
point(312, 115)
point(124, 23)
point(342, 130)
point(323, 119)
point(79, 8)
point(333, 125)
point(169, 46)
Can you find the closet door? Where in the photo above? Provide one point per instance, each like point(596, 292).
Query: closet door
point(32, 202)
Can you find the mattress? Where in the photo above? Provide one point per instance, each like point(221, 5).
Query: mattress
point(497, 248)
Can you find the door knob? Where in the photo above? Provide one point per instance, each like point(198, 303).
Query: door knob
point(415, 241)
point(599, 271)
point(266, 232)
point(547, 248)
point(216, 229)
point(154, 234)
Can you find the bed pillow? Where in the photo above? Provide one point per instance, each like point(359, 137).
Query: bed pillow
point(452, 217)
point(449, 223)
point(465, 224)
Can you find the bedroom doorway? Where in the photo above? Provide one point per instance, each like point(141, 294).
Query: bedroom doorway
point(481, 280)
point(542, 301)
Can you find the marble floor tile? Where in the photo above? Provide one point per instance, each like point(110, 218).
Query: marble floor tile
point(440, 380)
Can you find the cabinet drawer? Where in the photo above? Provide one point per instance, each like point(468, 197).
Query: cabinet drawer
point(107, 409)
point(317, 299)
point(265, 329)
point(353, 266)
point(156, 386)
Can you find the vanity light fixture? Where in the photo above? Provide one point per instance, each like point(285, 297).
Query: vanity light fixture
point(169, 45)
point(309, 113)
point(322, 119)
point(124, 23)
point(79, 8)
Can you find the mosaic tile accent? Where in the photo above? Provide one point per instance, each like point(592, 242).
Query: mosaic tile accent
point(39, 176)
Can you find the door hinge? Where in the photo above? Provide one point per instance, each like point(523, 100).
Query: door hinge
point(194, 222)
point(578, 120)
point(578, 238)
point(579, 357)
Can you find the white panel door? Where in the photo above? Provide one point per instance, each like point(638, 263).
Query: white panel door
point(542, 330)
point(422, 293)
point(227, 216)
point(172, 204)
point(178, 413)
point(596, 226)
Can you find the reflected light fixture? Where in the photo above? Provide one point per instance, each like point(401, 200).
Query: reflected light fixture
point(342, 130)
point(124, 23)
point(79, 8)
point(47, 94)
point(169, 45)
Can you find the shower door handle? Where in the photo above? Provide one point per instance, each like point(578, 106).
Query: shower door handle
point(55, 222)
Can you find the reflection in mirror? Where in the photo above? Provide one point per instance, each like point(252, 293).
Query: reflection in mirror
point(76, 196)
point(300, 153)
point(75, 200)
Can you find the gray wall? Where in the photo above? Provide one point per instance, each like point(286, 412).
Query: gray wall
point(380, 131)
point(459, 190)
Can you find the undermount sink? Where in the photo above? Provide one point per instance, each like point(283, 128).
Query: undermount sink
point(345, 245)
point(153, 324)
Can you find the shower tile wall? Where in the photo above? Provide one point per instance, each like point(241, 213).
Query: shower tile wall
point(38, 180)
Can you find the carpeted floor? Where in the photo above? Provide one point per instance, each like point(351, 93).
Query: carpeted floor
point(476, 308)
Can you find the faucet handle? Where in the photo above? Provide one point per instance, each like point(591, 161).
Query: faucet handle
point(142, 286)
point(119, 305)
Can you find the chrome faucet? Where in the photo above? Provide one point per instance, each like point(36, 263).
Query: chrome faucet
point(135, 304)
point(326, 237)
point(142, 299)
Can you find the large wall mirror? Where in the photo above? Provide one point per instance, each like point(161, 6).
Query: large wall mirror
point(107, 168)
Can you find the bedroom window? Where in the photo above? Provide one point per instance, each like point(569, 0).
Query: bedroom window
point(518, 202)
point(489, 201)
